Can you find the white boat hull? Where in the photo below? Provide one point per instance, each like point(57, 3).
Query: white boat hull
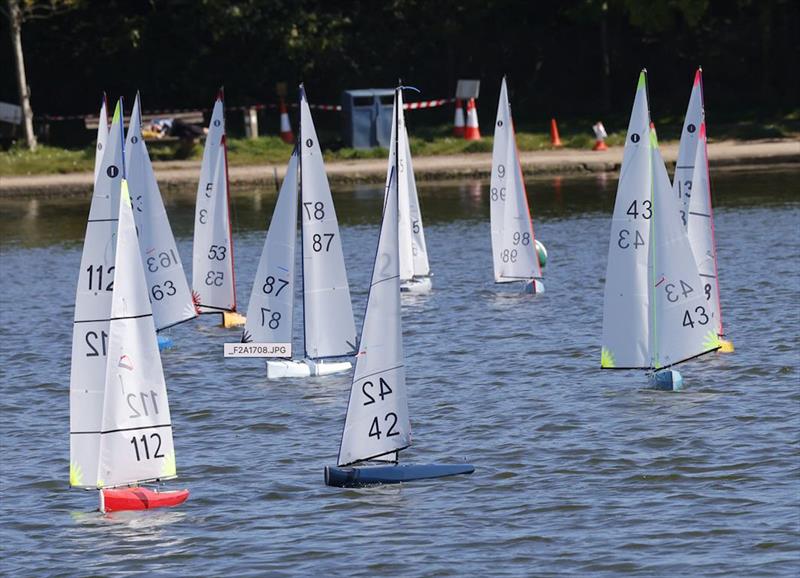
point(417, 286)
point(305, 368)
point(533, 286)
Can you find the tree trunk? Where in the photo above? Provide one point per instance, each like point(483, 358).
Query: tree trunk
point(15, 17)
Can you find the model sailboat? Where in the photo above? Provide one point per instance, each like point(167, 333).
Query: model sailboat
point(692, 185)
point(514, 248)
point(415, 271)
point(329, 332)
point(213, 279)
point(169, 292)
point(655, 315)
point(377, 425)
point(120, 434)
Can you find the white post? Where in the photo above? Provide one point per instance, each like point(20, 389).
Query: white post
point(251, 122)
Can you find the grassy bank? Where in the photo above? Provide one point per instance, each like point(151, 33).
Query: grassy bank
point(427, 141)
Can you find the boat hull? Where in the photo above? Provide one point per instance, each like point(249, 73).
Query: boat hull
point(666, 380)
point(533, 287)
point(417, 286)
point(122, 499)
point(305, 368)
point(233, 319)
point(359, 477)
point(165, 342)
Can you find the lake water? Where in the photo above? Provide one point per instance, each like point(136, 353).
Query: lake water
point(578, 471)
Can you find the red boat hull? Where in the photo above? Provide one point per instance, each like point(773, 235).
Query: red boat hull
point(118, 499)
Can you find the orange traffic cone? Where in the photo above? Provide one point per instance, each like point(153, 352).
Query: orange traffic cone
point(458, 122)
point(286, 129)
point(600, 135)
point(472, 132)
point(555, 140)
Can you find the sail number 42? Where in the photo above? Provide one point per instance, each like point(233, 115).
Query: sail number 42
point(368, 388)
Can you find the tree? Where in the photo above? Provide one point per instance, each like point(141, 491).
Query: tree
point(17, 12)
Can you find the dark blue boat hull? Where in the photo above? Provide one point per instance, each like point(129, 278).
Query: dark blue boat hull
point(358, 477)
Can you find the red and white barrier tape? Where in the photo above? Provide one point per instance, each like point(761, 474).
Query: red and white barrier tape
point(325, 107)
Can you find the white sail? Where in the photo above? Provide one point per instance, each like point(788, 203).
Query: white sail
point(682, 325)
point(413, 250)
point(136, 438)
point(102, 137)
point(377, 422)
point(513, 243)
point(212, 255)
point(626, 296)
point(269, 313)
point(399, 165)
point(498, 187)
point(701, 232)
point(419, 249)
point(92, 313)
point(682, 182)
point(329, 327)
point(169, 292)
point(518, 258)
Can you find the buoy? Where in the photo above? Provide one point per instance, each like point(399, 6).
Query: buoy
point(232, 319)
point(541, 252)
point(725, 346)
point(458, 122)
point(666, 380)
point(555, 140)
point(472, 132)
point(600, 136)
point(286, 128)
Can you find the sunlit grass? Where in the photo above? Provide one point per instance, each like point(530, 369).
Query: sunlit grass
point(425, 141)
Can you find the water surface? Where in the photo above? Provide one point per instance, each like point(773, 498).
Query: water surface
point(578, 471)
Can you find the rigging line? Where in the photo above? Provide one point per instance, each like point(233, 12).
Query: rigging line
point(110, 431)
point(375, 456)
point(112, 319)
point(378, 372)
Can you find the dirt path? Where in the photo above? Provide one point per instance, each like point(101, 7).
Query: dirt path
point(184, 174)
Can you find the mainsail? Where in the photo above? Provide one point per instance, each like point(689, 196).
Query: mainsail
point(212, 255)
point(626, 298)
point(269, 313)
point(701, 232)
point(412, 247)
point(513, 242)
point(136, 437)
point(93, 311)
point(377, 422)
point(329, 325)
point(166, 281)
point(683, 180)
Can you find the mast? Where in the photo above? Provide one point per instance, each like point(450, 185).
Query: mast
point(377, 424)
point(300, 142)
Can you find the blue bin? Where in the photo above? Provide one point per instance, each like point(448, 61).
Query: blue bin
point(367, 117)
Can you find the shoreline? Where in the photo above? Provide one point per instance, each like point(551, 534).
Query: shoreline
point(728, 155)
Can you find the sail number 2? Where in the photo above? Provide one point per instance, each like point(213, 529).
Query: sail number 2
point(390, 419)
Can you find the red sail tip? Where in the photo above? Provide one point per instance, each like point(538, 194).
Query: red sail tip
point(702, 130)
point(697, 76)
